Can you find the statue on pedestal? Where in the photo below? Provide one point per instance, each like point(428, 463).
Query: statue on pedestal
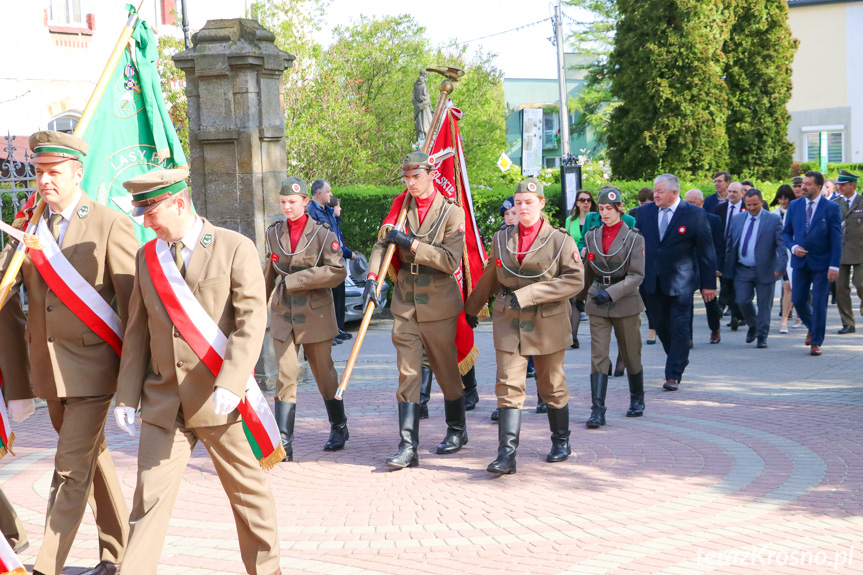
point(423, 110)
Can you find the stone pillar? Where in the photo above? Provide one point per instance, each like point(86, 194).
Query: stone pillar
point(237, 131)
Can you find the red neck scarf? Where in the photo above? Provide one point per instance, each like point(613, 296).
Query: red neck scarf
point(296, 229)
point(526, 236)
point(423, 205)
point(608, 235)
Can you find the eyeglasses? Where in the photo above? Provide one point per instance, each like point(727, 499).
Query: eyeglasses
point(411, 179)
point(583, 200)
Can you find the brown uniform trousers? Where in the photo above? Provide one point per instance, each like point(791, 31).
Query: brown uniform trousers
point(543, 283)
point(175, 392)
point(301, 308)
point(625, 261)
point(75, 371)
point(851, 264)
point(427, 298)
point(15, 372)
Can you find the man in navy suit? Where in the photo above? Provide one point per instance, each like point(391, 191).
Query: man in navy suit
point(712, 307)
point(726, 210)
point(679, 258)
point(813, 231)
point(755, 258)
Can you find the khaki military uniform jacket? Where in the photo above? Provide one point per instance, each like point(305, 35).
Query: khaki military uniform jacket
point(67, 358)
point(302, 304)
point(15, 357)
point(620, 272)
point(163, 374)
point(852, 230)
point(542, 325)
point(426, 289)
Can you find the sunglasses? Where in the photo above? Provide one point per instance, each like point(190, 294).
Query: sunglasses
point(583, 200)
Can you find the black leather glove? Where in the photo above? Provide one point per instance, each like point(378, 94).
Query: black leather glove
point(472, 320)
point(579, 305)
point(400, 239)
point(513, 302)
point(369, 294)
point(601, 297)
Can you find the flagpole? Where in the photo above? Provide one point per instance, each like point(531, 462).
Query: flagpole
point(18, 257)
point(446, 88)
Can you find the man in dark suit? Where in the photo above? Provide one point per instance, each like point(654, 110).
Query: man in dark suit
point(813, 231)
point(679, 258)
point(721, 181)
point(732, 205)
point(712, 308)
point(754, 260)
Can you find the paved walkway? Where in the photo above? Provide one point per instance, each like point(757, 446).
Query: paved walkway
point(755, 465)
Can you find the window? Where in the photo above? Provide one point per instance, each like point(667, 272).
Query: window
point(66, 12)
point(550, 124)
point(65, 123)
point(552, 161)
point(830, 143)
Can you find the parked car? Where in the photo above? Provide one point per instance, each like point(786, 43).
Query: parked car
point(354, 299)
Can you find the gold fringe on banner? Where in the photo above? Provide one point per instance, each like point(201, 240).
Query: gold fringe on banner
point(469, 361)
point(484, 313)
point(18, 571)
point(272, 459)
point(8, 448)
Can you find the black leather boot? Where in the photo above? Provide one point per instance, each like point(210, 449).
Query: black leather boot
point(338, 425)
point(456, 427)
point(471, 395)
point(495, 414)
point(540, 404)
point(409, 430)
point(425, 392)
point(558, 423)
point(636, 394)
point(619, 366)
point(285, 411)
point(598, 387)
point(509, 426)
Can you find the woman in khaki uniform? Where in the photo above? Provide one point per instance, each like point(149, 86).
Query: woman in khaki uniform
point(535, 269)
point(613, 271)
point(304, 261)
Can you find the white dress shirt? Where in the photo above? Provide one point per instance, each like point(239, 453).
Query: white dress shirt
point(190, 240)
point(671, 209)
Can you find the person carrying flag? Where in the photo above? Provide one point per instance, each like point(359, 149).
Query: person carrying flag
point(198, 309)
point(75, 337)
point(426, 304)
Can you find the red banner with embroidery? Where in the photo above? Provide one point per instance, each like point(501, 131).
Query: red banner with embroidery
point(451, 180)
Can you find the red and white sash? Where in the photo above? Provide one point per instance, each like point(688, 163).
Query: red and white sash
point(209, 343)
point(7, 437)
point(9, 562)
point(74, 291)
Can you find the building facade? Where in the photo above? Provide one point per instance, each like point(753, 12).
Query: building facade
point(826, 103)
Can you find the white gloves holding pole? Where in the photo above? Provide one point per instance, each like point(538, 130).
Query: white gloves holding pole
point(224, 402)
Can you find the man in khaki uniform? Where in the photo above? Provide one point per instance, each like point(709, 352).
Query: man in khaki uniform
point(181, 401)
point(73, 368)
point(533, 271)
point(851, 264)
point(304, 262)
point(425, 305)
point(613, 272)
point(15, 376)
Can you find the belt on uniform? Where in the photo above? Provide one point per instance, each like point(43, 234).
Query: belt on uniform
point(609, 280)
point(416, 269)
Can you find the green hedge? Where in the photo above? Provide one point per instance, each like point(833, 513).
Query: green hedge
point(832, 169)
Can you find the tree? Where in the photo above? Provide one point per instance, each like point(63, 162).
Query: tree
point(174, 87)
point(666, 71)
point(594, 37)
point(758, 76)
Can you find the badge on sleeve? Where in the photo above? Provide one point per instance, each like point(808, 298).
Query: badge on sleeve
point(681, 230)
point(461, 228)
point(575, 256)
point(83, 211)
point(275, 257)
point(206, 240)
point(498, 263)
point(335, 246)
point(590, 257)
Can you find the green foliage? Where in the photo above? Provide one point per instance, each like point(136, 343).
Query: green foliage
point(174, 87)
point(666, 70)
point(832, 169)
point(758, 76)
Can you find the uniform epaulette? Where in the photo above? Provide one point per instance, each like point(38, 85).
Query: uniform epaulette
point(325, 224)
point(272, 225)
point(451, 200)
point(594, 227)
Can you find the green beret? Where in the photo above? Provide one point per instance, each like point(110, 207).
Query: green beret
point(610, 195)
point(148, 190)
point(49, 146)
point(846, 177)
point(416, 161)
point(294, 185)
point(530, 186)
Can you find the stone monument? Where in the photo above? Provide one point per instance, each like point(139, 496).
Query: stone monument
point(423, 110)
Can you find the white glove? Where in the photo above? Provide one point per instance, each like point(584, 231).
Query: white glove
point(225, 401)
point(125, 418)
point(21, 409)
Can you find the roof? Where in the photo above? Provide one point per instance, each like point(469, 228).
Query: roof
point(799, 3)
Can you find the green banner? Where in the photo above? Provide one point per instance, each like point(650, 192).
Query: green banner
point(131, 131)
